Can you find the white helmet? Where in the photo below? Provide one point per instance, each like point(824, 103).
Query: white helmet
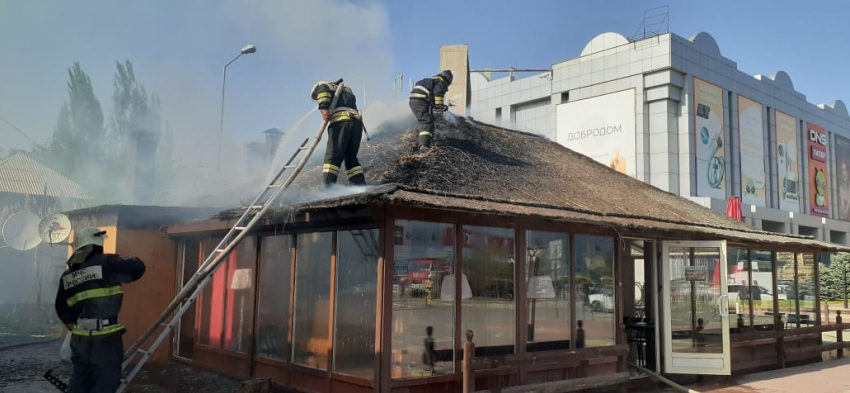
point(88, 235)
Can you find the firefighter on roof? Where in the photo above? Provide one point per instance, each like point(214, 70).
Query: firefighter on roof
point(426, 100)
point(345, 129)
point(88, 301)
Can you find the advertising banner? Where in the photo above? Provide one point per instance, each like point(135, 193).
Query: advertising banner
point(602, 128)
point(787, 162)
point(842, 164)
point(751, 134)
point(818, 175)
point(709, 149)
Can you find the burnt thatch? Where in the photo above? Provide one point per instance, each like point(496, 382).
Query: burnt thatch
point(482, 168)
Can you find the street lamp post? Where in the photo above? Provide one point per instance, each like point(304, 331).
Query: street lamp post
point(845, 284)
point(246, 50)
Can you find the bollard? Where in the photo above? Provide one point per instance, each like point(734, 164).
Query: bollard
point(839, 334)
point(468, 373)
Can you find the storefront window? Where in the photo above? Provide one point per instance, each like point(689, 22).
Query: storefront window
point(761, 290)
point(488, 266)
point(310, 338)
point(806, 286)
point(594, 281)
point(240, 296)
point(211, 301)
point(738, 284)
point(190, 249)
point(423, 299)
point(786, 288)
point(356, 302)
point(275, 286)
point(548, 291)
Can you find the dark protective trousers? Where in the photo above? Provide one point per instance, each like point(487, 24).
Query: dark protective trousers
point(343, 145)
point(422, 110)
point(97, 363)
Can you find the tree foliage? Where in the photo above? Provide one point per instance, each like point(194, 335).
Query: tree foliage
point(832, 277)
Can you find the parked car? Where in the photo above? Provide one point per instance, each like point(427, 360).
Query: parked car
point(602, 300)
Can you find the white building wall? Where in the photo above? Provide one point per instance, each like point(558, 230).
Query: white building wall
point(660, 69)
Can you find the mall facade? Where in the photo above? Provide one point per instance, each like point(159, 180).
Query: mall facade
point(676, 114)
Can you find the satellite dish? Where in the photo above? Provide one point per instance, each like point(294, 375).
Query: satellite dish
point(54, 228)
point(20, 231)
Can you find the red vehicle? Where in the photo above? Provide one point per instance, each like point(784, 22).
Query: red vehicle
point(420, 270)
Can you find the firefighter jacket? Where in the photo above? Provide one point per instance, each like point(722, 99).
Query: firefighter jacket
point(346, 105)
point(89, 296)
point(431, 89)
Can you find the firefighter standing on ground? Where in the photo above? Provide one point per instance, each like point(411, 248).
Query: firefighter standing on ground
point(345, 129)
point(426, 100)
point(88, 301)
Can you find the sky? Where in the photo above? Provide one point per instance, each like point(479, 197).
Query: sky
point(179, 48)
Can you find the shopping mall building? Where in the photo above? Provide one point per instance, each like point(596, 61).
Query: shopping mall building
point(674, 113)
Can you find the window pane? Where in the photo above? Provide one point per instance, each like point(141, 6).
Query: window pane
point(761, 290)
point(356, 302)
point(423, 299)
point(806, 287)
point(312, 299)
point(786, 286)
point(273, 308)
point(739, 289)
point(594, 282)
point(240, 300)
point(489, 309)
point(548, 291)
point(211, 303)
point(186, 335)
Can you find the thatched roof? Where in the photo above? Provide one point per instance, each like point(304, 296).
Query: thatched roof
point(476, 167)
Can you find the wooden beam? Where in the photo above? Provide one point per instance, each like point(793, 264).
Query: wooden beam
point(568, 385)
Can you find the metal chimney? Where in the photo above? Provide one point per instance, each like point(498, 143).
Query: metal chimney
point(273, 138)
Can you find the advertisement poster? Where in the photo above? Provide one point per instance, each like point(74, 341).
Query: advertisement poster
point(842, 164)
point(602, 128)
point(708, 123)
point(818, 175)
point(750, 126)
point(786, 157)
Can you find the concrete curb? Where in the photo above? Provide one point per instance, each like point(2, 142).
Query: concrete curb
point(28, 343)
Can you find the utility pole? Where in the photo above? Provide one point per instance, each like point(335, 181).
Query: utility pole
point(845, 283)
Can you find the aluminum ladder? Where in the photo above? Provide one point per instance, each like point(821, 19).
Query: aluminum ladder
point(190, 292)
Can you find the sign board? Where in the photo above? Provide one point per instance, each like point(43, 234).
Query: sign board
point(696, 273)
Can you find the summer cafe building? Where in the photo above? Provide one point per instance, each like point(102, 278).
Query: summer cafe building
point(534, 248)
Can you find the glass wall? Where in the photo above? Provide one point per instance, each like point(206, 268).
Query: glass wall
point(274, 292)
point(185, 348)
point(786, 284)
point(738, 283)
point(806, 286)
point(489, 310)
point(356, 302)
point(423, 299)
point(548, 290)
point(239, 313)
point(312, 299)
point(211, 301)
point(594, 292)
point(761, 290)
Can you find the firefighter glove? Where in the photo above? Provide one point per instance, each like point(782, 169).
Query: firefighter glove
point(440, 108)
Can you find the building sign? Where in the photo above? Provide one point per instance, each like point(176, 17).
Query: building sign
point(709, 139)
point(602, 128)
point(818, 175)
point(696, 273)
point(786, 156)
point(842, 164)
point(750, 128)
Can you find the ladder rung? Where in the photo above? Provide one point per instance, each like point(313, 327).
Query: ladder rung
point(288, 166)
point(240, 228)
point(257, 207)
point(142, 351)
point(303, 148)
point(219, 250)
point(274, 185)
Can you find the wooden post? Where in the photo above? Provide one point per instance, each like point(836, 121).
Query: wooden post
point(839, 333)
point(468, 373)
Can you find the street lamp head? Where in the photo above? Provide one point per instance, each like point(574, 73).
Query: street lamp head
point(249, 49)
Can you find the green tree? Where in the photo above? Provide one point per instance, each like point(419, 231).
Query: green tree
point(832, 277)
point(79, 130)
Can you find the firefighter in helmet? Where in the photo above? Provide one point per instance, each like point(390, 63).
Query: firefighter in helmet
point(427, 99)
point(345, 129)
point(88, 302)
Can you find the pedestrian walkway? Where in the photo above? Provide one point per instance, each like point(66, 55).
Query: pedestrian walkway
point(832, 376)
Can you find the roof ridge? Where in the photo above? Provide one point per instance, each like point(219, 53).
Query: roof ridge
point(583, 211)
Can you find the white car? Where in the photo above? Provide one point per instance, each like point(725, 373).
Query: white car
point(766, 294)
point(603, 301)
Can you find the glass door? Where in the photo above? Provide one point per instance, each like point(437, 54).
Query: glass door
point(696, 323)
